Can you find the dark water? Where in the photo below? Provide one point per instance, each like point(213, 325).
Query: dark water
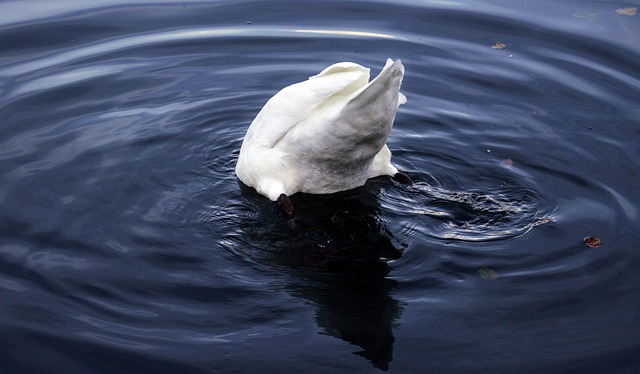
point(128, 245)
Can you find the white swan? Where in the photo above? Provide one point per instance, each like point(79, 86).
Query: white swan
point(323, 135)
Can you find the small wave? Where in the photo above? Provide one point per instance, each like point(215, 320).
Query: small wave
point(471, 215)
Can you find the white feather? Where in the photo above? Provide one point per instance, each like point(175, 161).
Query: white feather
point(323, 135)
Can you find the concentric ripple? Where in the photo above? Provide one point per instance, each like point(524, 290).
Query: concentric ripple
point(128, 243)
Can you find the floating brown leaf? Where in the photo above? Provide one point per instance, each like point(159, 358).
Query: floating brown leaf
point(506, 163)
point(592, 242)
point(487, 273)
point(498, 45)
point(627, 11)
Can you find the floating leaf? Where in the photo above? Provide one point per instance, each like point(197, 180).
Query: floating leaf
point(506, 163)
point(498, 45)
point(592, 242)
point(627, 11)
point(487, 273)
point(589, 16)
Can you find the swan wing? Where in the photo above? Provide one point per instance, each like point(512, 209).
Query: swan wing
point(294, 103)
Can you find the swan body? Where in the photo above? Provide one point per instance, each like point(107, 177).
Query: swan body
point(325, 134)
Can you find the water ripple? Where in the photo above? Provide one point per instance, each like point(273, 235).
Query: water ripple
point(127, 236)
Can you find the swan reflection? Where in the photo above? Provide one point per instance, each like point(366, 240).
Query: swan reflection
point(338, 254)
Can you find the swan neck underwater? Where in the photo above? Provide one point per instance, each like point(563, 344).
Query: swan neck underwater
point(323, 135)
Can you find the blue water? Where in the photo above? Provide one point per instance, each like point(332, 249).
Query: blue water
point(128, 245)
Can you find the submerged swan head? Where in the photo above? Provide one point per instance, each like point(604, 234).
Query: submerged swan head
point(325, 134)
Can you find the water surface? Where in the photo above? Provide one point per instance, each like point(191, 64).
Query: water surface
point(128, 244)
